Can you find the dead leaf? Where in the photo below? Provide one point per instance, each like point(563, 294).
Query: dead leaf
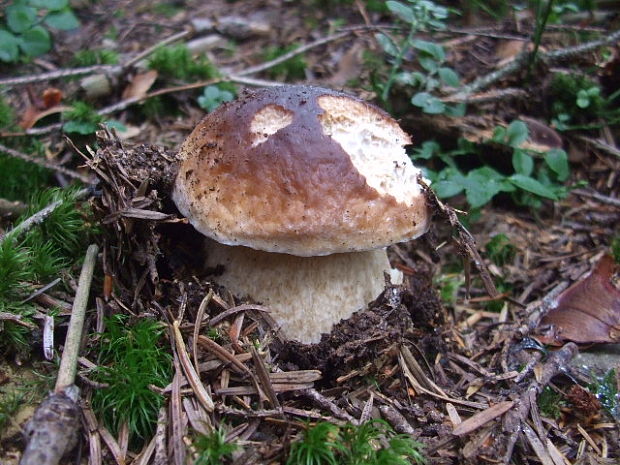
point(349, 67)
point(588, 311)
point(140, 85)
point(508, 49)
point(32, 115)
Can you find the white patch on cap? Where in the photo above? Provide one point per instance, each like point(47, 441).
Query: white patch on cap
point(267, 121)
point(375, 144)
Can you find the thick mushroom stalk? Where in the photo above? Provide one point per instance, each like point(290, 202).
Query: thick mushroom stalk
point(306, 295)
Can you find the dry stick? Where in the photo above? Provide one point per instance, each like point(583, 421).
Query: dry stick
point(46, 164)
point(148, 51)
point(292, 53)
point(607, 148)
point(111, 69)
point(68, 362)
point(513, 420)
point(52, 431)
point(57, 74)
point(595, 195)
point(556, 55)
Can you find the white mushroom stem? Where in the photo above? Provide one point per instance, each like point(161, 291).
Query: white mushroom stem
point(306, 295)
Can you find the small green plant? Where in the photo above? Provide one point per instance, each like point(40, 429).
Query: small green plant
point(93, 57)
point(500, 250)
point(372, 443)
point(24, 31)
point(431, 58)
point(536, 176)
point(213, 448)
point(319, 446)
point(81, 119)
point(291, 69)
point(419, 15)
point(550, 402)
point(213, 96)
point(176, 62)
point(130, 361)
point(605, 388)
point(577, 99)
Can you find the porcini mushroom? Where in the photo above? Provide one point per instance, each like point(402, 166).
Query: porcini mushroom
point(300, 189)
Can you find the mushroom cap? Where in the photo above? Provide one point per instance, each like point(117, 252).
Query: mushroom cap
point(300, 170)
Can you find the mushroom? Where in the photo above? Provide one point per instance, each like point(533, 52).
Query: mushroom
point(300, 190)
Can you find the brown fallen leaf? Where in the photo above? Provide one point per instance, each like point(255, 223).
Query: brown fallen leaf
point(588, 311)
point(140, 85)
point(31, 115)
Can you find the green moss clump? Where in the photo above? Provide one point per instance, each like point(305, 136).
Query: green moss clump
point(176, 62)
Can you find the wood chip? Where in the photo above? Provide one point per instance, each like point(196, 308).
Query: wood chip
point(539, 448)
point(263, 377)
point(588, 438)
point(112, 445)
point(454, 416)
point(481, 418)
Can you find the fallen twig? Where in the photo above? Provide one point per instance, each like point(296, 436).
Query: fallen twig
point(515, 418)
point(595, 195)
point(107, 69)
point(52, 431)
point(521, 59)
point(68, 362)
point(287, 56)
point(57, 74)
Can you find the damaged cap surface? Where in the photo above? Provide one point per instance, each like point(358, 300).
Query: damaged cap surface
point(300, 170)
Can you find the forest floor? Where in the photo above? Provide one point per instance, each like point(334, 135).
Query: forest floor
point(502, 344)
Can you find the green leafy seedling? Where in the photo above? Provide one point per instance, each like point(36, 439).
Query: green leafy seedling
point(212, 97)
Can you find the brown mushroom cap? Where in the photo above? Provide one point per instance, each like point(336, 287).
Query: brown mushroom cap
point(300, 170)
